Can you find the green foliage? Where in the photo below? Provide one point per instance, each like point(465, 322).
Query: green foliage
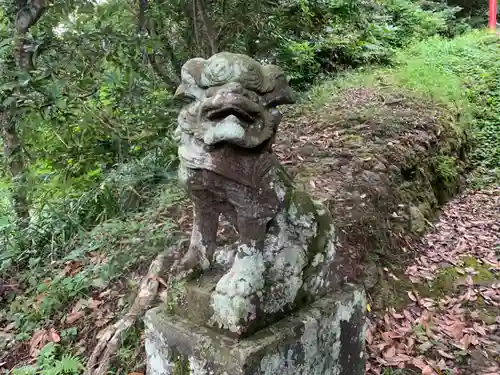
point(95, 118)
point(104, 254)
point(332, 35)
point(464, 74)
point(446, 168)
point(51, 361)
point(94, 112)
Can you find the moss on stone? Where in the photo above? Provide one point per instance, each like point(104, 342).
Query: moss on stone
point(393, 292)
point(181, 366)
point(390, 291)
point(488, 314)
point(445, 282)
point(301, 200)
point(176, 294)
point(300, 204)
point(352, 139)
point(482, 272)
point(418, 223)
point(446, 167)
point(449, 277)
point(325, 222)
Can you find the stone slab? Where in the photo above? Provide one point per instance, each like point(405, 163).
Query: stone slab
point(193, 301)
point(326, 338)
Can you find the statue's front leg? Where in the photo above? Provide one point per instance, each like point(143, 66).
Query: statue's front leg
point(237, 297)
point(206, 213)
point(252, 232)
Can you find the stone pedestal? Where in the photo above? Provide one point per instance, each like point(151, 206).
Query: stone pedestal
point(324, 338)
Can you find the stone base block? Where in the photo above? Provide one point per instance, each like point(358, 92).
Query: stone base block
point(326, 338)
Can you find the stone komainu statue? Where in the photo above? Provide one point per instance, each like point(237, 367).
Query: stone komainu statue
point(286, 254)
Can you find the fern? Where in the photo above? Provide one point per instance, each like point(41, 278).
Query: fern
point(26, 370)
point(48, 363)
point(47, 355)
point(68, 365)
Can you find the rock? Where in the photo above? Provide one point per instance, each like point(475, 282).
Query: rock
point(371, 275)
point(380, 167)
point(418, 223)
point(326, 338)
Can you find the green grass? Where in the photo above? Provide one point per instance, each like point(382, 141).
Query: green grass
point(109, 255)
point(463, 74)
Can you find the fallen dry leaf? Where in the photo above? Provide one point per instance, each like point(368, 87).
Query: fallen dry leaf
point(38, 341)
point(54, 336)
point(444, 354)
point(74, 316)
point(94, 304)
point(412, 296)
point(428, 370)
point(389, 353)
point(9, 327)
point(469, 226)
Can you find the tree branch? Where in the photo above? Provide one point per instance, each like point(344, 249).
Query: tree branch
point(208, 26)
point(145, 25)
point(28, 15)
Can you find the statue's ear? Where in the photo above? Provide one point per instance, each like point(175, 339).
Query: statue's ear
point(281, 95)
point(182, 94)
point(181, 90)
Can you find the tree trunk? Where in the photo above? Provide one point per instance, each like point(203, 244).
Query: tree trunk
point(28, 14)
point(208, 26)
point(145, 24)
point(15, 161)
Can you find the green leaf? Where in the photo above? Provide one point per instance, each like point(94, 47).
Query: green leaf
point(8, 86)
point(7, 102)
point(61, 104)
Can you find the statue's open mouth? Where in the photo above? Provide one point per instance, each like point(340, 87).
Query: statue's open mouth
point(220, 107)
point(222, 113)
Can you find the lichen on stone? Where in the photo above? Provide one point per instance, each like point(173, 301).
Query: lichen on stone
point(319, 332)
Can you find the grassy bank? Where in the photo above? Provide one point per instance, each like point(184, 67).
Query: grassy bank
point(462, 78)
point(463, 74)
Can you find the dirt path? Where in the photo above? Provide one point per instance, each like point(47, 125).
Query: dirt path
point(451, 323)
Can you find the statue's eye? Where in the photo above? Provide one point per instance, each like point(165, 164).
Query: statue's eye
point(189, 98)
point(272, 104)
point(184, 94)
point(185, 98)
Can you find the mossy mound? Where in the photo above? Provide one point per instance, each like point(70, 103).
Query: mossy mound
point(382, 159)
point(392, 291)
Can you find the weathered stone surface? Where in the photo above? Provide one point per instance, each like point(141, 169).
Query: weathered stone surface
point(326, 338)
point(380, 151)
point(286, 254)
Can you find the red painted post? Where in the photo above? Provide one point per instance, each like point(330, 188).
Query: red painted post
point(492, 23)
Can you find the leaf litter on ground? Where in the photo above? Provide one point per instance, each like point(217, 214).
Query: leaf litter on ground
point(448, 334)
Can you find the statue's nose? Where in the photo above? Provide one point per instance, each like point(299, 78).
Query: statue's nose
point(228, 88)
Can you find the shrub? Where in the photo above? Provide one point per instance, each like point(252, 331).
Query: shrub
point(333, 35)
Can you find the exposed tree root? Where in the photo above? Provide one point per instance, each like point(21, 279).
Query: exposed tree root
point(110, 340)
